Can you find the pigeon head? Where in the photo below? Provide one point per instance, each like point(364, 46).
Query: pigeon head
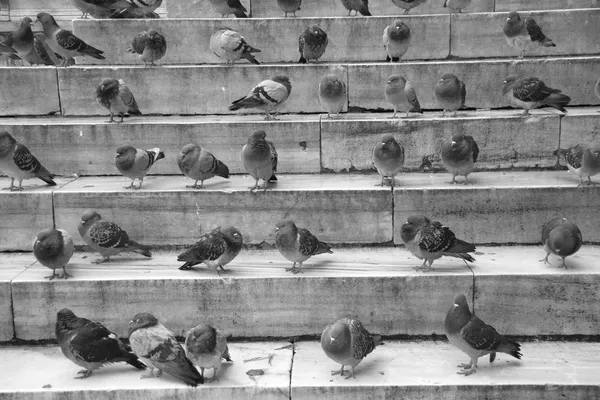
point(26, 23)
point(6, 142)
point(204, 339)
point(141, 320)
point(107, 86)
point(188, 148)
point(331, 85)
point(339, 336)
point(565, 239)
point(66, 321)
point(232, 234)
point(509, 82)
point(395, 79)
point(458, 315)
point(284, 80)
point(49, 243)
point(388, 142)
point(559, 152)
point(447, 79)
point(126, 150)
point(316, 32)
point(46, 19)
point(152, 33)
point(399, 30)
point(89, 217)
point(257, 135)
point(457, 139)
point(411, 226)
point(287, 226)
point(513, 18)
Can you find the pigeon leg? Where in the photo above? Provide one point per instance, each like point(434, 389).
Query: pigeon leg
point(64, 275)
point(455, 111)
point(522, 54)
point(453, 181)
point(255, 187)
point(351, 375)
point(54, 275)
point(471, 370)
point(427, 267)
point(12, 184)
point(563, 264)
point(219, 269)
point(590, 182)
point(111, 118)
point(391, 181)
point(422, 266)
point(20, 188)
point(545, 259)
point(407, 113)
point(195, 186)
point(139, 187)
point(406, 11)
point(443, 113)
point(84, 374)
point(295, 270)
point(340, 372)
point(121, 121)
point(268, 117)
point(525, 113)
point(465, 366)
point(130, 186)
point(394, 115)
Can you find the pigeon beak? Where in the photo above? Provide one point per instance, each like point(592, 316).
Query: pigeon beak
point(81, 223)
point(332, 340)
point(276, 229)
point(508, 19)
point(441, 80)
point(453, 143)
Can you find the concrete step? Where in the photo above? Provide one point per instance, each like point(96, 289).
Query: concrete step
point(402, 369)
point(256, 297)
point(350, 39)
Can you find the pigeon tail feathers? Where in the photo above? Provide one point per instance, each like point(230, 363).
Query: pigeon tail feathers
point(558, 101)
point(140, 248)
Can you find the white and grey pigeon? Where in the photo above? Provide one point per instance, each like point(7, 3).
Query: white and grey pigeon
point(396, 40)
point(149, 46)
point(530, 92)
point(401, 94)
point(231, 46)
point(524, 34)
point(206, 347)
point(135, 163)
point(266, 96)
point(582, 160)
point(199, 164)
point(117, 98)
point(259, 158)
point(297, 244)
point(216, 249)
point(561, 237)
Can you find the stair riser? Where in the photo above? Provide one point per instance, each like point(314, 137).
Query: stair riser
point(29, 91)
point(24, 215)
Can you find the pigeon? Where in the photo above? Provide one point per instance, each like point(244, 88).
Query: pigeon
point(260, 159)
point(396, 40)
point(216, 249)
point(18, 163)
point(135, 163)
point(459, 156)
point(206, 347)
point(358, 6)
point(107, 238)
point(21, 40)
point(312, 44)
point(229, 45)
point(159, 349)
point(475, 337)
point(115, 96)
point(199, 164)
point(139, 9)
point(53, 248)
point(451, 93)
point(266, 96)
point(149, 45)
point(289, 6)
point(429, 241)
point(90, 344)
point(332, 94)
point(561, 237)
point(41, 54)
point(297, 244)
point(388, 158)
point(582, 160)
point(63, 42)
point(408, 5)
point(401, 95)
point(226, 7)
point(347, 342)
point(457, 5)
point(524, 35)
point(100, 8)
point(529, 92)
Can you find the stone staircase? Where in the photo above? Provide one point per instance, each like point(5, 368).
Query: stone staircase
point(327, 184)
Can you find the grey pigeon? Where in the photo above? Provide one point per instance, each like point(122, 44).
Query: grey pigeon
point(159, 349)
point(312, 44)
point(347, 342)
point(450, 93)
point(358, 6)
point(259, 158)
point(199, 164)
point(226, 7)
point(100, 8)
point(459, 155)
point(562, 238)
point(401, 95)
point(474, 337)
point(53, 248)
point(524, 34)
point(135, 163)
point(117, 98)
point(529, 93)
point(231, 46)
point(139, 9)
point(583, 161)
point(396, 40)
point(457, 5)
point(297, 244)
point(388, 158)
point(408, 5)
point(429, 241)
point(149, 45)
point(207, 348)
point(216, 249)
point(21, 40)
point(266, 96)
point(332, 94)
point(289, 6)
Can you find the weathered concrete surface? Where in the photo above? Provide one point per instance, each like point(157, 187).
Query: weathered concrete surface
point(166, 213)
point(188, 40)
point(28, 91)
point(92, 143)
point(480, 35)
point(498, 207)
point(188, 90)
point(520, 296)
point(510, 5)
point(504, 140)
point(197, 9)
point(27, 370)
point(483, 80)
point(426, 370)
point(4, 10)
point(61, 10)
point(255, 298)
point(11, 265)
point(580, 126)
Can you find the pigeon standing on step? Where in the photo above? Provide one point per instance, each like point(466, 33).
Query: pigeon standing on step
point(388, 158)
point(358, 6)
point(524, 34)
point(216, 249)
point(474, 337)
point(21, 40)
point(135, 163)
point(63, 42)
point(451, 93)
point(289, 6)
point(159, 349)
point(457, 5)
point(259, 158)
point(297, 244)
point(90, 345)
point(582, 160)
point(226, 7)
point(117, 98)
point(206, 347)
point(53, 248)
point(199, 164)
point(266, 96)
point(529, 93)
point(408, 5)
point(100, 8)
point(332, 94)
point(562, 238)
point(459, 156)
point(149, 45)
point(107, 238)
point(347, 342)
point(18, 163)
point(429, 241)
point(312, 44)
point(229, 45)
point(396, 40)
point(401, 95)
